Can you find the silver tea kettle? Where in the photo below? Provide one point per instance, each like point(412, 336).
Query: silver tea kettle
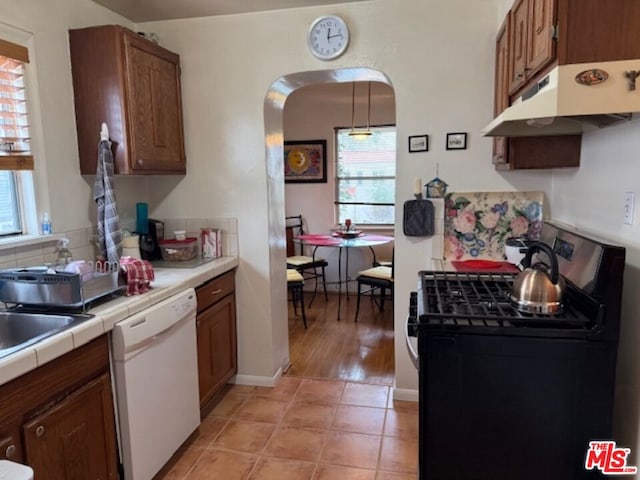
point(538, 288)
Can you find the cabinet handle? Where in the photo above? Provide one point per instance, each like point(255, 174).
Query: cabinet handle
point(140, 161)
point(519, 75)
point(216, 292)
point(39, 431)
point(10, 451)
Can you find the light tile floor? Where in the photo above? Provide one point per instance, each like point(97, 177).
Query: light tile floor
point(303, 429)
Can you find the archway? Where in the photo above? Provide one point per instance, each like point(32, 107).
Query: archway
point(274, 138)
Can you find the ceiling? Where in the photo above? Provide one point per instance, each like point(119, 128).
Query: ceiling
point(152, 10)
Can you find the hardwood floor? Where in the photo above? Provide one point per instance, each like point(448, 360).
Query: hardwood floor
point(344, 350)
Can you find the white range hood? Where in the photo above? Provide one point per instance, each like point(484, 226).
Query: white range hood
point(560, 105)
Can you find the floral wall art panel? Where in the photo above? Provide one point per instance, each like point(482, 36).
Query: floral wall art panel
point(477, 224)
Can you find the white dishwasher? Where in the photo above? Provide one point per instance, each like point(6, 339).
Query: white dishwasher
point(156, 383)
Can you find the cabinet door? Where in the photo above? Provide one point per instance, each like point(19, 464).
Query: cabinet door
point(75, 439)
point(518, 45)
point(217, 359)
point(155, 110)
point(540, 42)
point(502, 68)
point(501, 99)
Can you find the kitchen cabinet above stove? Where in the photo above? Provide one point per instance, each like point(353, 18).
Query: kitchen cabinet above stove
point(133, 85)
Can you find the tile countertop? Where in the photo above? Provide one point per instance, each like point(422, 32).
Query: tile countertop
point(168, 282)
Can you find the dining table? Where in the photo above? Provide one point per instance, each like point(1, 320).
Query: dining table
point(342, 241)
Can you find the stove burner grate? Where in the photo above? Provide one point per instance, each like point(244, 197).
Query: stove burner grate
point(483, 300)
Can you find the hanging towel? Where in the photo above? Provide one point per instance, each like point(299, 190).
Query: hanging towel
point(109, 233)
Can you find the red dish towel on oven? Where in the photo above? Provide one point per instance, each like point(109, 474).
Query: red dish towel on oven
point(139, 274)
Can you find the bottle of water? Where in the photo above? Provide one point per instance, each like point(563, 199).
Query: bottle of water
point(46, 224)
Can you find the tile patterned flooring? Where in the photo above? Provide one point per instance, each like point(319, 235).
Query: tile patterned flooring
point(302, 429)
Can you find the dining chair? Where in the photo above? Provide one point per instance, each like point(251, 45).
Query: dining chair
point(310, 267)
point(295, 284)
point(377, 278)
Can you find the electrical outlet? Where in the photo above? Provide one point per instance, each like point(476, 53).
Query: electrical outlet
point(629, 206)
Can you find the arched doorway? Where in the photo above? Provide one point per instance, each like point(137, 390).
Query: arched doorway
point(274, 125)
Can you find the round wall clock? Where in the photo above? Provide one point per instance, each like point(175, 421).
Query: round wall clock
point(328, 37)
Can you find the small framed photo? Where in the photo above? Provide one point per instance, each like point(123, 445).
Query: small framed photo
point(418, 143)
point(456, 141)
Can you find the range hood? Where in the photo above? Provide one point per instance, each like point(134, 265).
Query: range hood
point(571, 99)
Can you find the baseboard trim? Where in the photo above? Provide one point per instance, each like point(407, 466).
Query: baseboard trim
point(405, 394)
point(257, 381)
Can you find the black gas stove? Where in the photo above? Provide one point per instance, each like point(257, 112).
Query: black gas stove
point(506, 394)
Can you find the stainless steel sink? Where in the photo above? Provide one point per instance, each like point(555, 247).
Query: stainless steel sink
point(18, 330)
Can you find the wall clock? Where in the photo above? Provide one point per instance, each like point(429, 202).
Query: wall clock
point(328, 37)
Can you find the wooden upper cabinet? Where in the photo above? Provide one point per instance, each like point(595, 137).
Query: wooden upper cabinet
point(597, 31)
point(501, 86)
point(525, 152)
point(518, 43)
point(532, 39)
point(503, 66)
point(546, 33)
point(133, 85)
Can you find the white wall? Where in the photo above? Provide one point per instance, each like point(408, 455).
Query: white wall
point(591, 198)
point(439, 57)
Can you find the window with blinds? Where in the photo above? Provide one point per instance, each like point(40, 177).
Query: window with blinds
point(15, 152)
point(365, 176)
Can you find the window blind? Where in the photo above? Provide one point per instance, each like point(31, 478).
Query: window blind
point(15, 150)
point(365, 176)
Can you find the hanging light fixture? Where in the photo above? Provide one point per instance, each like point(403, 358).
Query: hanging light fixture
point(360, 134)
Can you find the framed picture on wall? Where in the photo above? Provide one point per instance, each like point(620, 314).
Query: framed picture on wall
point(456, 141)
point(418, 143)
point(305, 161)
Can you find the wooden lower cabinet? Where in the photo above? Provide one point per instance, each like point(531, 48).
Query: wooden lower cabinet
point(216, 332)
point(74, 439)
point(59, 418)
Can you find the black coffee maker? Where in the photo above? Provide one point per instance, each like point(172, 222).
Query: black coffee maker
point(150, 241)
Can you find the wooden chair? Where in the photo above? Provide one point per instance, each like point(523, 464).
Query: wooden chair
point(295, 284)
point(310, 267)
point(379, 277)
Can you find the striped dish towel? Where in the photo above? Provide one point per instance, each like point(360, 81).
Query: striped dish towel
point(109, 233)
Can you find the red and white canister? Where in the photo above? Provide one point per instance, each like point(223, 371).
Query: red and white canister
point(208, 242)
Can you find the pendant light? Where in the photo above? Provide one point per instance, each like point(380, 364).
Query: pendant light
point(360, 134)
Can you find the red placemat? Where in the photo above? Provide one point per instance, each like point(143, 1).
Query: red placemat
point(484, 266)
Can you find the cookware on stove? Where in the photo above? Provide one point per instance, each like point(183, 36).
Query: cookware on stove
point(538, 288)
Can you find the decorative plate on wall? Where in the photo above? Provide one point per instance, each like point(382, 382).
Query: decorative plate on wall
point(477, 224)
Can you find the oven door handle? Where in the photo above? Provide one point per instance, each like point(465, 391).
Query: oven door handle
point(413, 355)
